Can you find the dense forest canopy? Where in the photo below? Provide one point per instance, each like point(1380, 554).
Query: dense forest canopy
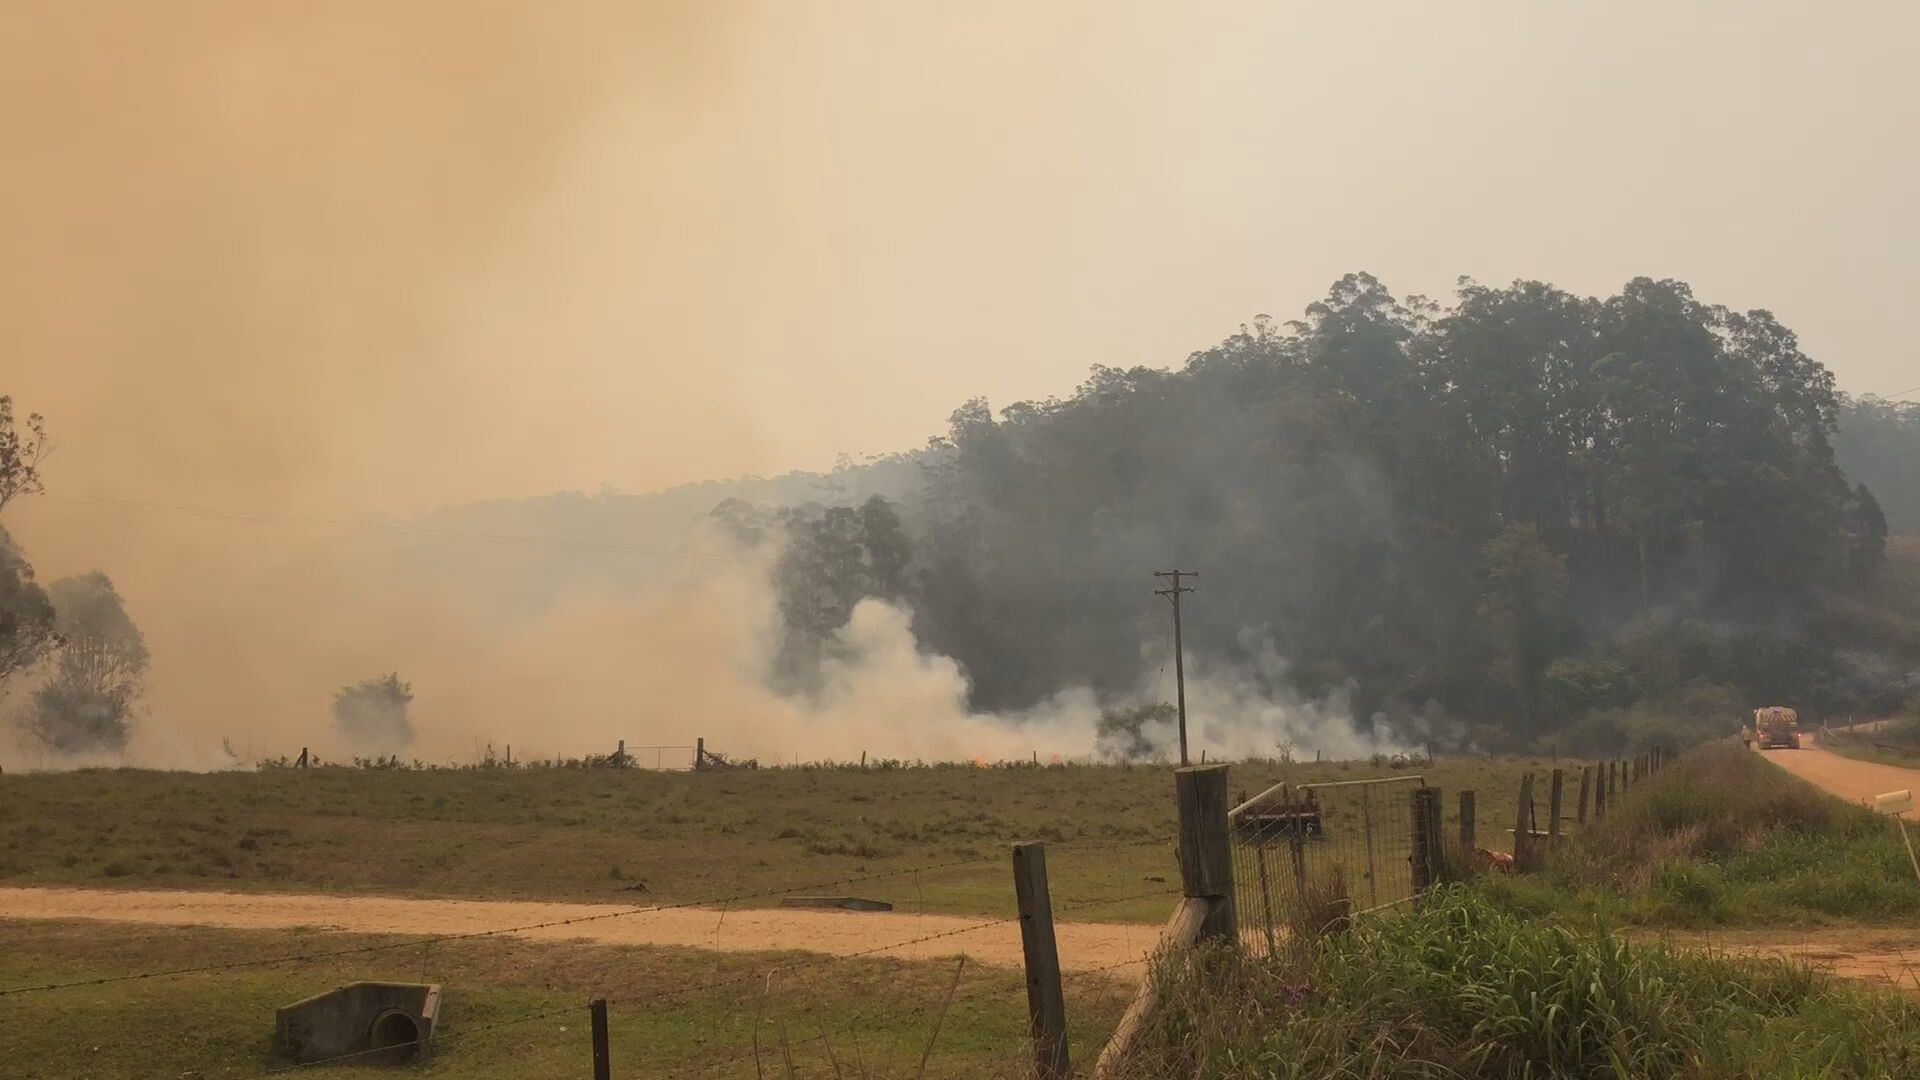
point(1539, 516)
point(1879, 445)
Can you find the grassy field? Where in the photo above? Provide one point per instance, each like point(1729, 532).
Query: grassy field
point(639, 836)
point(585, 835)
point(1895, 743)
point(1510, 976)
point(673, 1012)
point(1724, 838)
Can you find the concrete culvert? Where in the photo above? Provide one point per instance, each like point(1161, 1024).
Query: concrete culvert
point(364, 1023)
point(395, 1037)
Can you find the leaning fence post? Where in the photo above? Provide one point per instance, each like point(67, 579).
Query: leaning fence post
point(1553, 810)
point(1586, 782)
point(1046, 1006)
point(1206, 860)
point(1523, 826)
point(602, 1061)
point(1599, 791)
point(1466, 821)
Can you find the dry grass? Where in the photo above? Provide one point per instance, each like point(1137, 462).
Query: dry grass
point(630, 835)
point(673, 1009)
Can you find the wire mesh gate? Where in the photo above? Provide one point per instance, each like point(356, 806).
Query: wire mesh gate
point(1308, 855)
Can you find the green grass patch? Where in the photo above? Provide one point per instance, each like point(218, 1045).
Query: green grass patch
point(1463, 987)
point(1723, 838)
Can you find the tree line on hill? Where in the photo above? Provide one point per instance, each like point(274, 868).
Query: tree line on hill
point(1525, 517)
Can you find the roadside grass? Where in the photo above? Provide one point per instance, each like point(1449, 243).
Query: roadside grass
point(1722, 838)
point(1461, 987)
point(638, 836)
point(673, 1012)
point(1896, 743)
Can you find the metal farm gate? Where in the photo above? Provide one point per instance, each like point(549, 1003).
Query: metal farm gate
point(1309, 855)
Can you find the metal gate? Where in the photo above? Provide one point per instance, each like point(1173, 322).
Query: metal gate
point(1309, 856)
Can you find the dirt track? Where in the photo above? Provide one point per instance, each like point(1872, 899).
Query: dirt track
point(1887, 956)
point(1083, 946)
point(1848, 778)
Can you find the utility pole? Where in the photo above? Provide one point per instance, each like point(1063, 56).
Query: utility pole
point(1172, 592)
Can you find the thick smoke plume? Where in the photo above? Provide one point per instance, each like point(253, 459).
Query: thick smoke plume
point(685, 656)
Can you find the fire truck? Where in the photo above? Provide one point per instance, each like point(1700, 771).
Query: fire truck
point(1777, 726)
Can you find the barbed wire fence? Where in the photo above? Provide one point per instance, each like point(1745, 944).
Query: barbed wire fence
point(736, 986)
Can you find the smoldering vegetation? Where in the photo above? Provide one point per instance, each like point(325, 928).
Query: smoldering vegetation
point(1526, 519)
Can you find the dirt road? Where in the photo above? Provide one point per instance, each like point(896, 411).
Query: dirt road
point(1848, 778)
point(1083, 946)
point(1887, 956)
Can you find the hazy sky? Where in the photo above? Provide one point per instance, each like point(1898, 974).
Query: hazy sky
point(377, 255)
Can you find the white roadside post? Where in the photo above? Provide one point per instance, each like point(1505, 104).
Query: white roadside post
point(1896, 803)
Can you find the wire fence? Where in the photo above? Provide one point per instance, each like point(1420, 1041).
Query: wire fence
point(1310, 854)
point(813, 1006)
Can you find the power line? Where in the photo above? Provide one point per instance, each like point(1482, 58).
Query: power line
point(1172, 592)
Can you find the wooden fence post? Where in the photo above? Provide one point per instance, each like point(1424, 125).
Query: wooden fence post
point(1523, 826)
point(1046, 1006)
point(302, 763)
point(699, 754)
point(1426, 809)
point(602, 1061)
point(1553, 812)
point(1586, 784)
point(1206, 860)
point(1466, 821)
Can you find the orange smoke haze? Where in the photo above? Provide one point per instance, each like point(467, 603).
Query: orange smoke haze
point(372, 257)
